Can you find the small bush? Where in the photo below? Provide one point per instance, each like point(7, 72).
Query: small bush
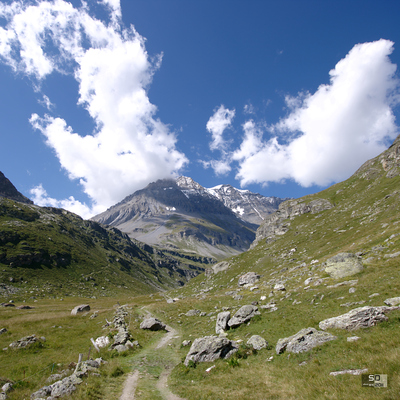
point(233, 362)
point(116, 371)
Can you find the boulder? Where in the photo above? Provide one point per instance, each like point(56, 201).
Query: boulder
point(80, 309)
point(244, 314)
point(303, 340)
point(102, 341)
point(257, 342)
point(248, 279)
point(361, 317)
point(343, 264)
point(3, 330)
point(221, 266)
point(392, 301)
point(210, 348)
point(186, 343)
point(222, 322)
point(152, 324)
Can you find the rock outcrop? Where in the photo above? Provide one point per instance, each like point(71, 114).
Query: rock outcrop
point(302, 341)
point(361, 317)
point(210, 348)
point(277, 223)
point(343, 264)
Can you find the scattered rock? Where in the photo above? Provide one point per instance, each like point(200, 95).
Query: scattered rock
point(8, 304)
point(349, 371)
point(152, 324)
point(303, 341)
point(222, 322)
point(244, 314)
point(352, 290)
point(353, 338)
point(361, 317)
point(24, 307)
point(392, 301)
point(25, 341)
point(279, 286)
point(102, 341)
point(80, 309)
point(257, 342)
point(3, 330)
point(192, 313)
point(186, 343)
point(248, 279)
point(210, 348)
point(350, 283)
point(343, 264)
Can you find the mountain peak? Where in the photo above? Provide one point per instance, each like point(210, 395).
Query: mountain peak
point(8, 190)
point(186, 182)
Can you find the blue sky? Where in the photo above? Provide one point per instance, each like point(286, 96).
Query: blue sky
point(282, 98)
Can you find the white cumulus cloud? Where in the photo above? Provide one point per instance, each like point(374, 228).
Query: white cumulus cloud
point(329, 134)
point(130, 146)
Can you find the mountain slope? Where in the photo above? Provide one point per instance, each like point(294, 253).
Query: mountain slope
point(8, 190)
point(77, 257)
point(296, 290)
point(182, 215)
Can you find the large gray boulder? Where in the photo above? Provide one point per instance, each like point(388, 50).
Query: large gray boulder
point(244, 314)
point(222, 322)
point(302, 341)
point(248, 279)
point(257, 342)
point(390, 302)
point(343, 264)
point(152, 324)
point(210, 348)
point(361, 317)
point(80, 309)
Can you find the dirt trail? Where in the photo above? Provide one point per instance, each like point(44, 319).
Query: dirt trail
point(130, 384)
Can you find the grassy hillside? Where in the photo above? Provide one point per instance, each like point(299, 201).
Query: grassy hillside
point(51, 252)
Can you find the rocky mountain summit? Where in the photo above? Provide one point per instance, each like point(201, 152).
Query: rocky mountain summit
point(181, 214)
point(8, 190)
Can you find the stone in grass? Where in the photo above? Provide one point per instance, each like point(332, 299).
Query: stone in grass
point(343, 264)
point(392, 301)
point(210, 348)
point(152, 324)
point(257, 342)
point(80, 309)
point(248, 279)
point(244, 314)
point(303, 341)
point(361, 317)
point(222, 322)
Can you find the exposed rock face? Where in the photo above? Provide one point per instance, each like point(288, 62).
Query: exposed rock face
point(257, 342)
point(181, 213)
point(8, 190)
point(80, 309)
point(152, 324)
point(244, 314)
point(248, 279)
point(361, 317)
point(303, 340)
point(343, 264)
point(278, 223)
point(210, 348)
point(222, 322)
